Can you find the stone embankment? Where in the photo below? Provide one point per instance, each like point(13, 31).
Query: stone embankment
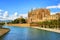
point(3, 31)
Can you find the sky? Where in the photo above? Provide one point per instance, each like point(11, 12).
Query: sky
point(12, 9)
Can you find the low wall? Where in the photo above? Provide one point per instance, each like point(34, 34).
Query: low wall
point(24, 25)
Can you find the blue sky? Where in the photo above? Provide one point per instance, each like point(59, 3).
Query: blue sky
point(21, 7)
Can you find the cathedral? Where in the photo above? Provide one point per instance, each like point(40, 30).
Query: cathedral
point(37, 15)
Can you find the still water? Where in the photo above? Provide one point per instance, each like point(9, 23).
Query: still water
point(24, 33)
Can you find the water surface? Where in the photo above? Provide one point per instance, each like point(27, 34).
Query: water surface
point(24, 33)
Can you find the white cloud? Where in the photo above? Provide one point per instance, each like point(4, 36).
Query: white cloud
point(57, 6)
point(5, 14)
point(15, 14)
point(0, 13)
point(54, 13)
point(24, 15)
point(1, 10)
point(12, 17)
point(33, 8)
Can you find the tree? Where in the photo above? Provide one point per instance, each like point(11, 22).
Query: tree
point(18, 20)
point(23, 20)
point(1, 24)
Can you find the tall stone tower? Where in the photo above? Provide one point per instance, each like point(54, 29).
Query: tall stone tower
point(37, 15)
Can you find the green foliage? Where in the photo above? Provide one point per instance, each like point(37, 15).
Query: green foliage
point(23, 20)
point(19, 20)
point(51, 23)
point(2, 23)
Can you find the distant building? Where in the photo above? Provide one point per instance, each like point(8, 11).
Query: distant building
point(51, 17)
point(58, 14)
point(38, 15)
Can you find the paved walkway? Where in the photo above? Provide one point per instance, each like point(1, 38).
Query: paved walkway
point(49, 29)
point(3, 31)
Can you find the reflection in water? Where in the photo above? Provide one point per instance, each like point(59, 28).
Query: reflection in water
point(22, 33)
